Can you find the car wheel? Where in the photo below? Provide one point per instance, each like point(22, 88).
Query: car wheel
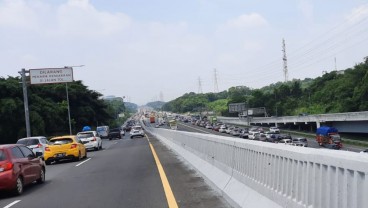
point(79, 157)
point(19, 186)
point(48, 162)
point(131, 137)
point(96, 148)
point(85, 156)
point(42, 177)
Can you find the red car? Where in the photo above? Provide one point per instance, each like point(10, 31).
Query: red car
point(19, 166)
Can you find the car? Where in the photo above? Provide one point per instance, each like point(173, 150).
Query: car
point(285, 141)
point(274, 129)
point(364, 151)
point(136, 131)
point(243, 133)
point(20, 166)
point(216, 128)
point(115, 133)
point(235, 131)
point(272, 137)
point(64, 148)
point(252, 135)
point(36, 144)
point(228, 130)
point(222, 129)
point(90, 139)
point(208, 126)
point(103, 131)
point(302, 142)
point(261, 137)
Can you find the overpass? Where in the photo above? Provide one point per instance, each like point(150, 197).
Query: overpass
point(350, 122)
point(257, 174)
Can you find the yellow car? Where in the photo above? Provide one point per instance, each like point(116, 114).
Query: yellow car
point(64, 147)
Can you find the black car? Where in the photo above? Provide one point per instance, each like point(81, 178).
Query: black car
point(115, 133)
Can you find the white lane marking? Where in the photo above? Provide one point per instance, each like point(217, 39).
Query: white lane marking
point(11, 204)
point(109, 146)
point(196, 129)
point(83, 162)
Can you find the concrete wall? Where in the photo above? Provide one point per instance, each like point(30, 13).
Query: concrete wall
point(257, 174)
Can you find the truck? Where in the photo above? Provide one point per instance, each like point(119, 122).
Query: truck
point(173, 124)
point(152, 119)
point(328, 137)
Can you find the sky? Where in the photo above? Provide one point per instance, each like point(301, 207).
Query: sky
point(151, 50)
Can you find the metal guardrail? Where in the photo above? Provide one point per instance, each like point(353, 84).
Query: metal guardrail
point(290, 176)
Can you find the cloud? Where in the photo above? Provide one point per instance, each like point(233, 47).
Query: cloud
point(307, 9)
point(246, 21)
point(80, 18)
point(357, 14)
point(17, 14)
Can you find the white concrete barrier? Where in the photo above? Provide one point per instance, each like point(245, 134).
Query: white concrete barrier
point(258, 174)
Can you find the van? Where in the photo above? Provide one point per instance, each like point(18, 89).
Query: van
point(103, 131)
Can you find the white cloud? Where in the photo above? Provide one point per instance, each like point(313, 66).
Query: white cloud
point(17, 14)
point(307, 9)
point(357, 14)
point(246, 21)
point(80, 18)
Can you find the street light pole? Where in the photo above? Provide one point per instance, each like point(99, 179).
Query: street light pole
point(25, 97)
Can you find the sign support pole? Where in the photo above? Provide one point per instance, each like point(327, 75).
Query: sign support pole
point(25, 97)
point(67, 98)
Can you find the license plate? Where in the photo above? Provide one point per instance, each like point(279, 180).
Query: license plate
point(60, 155)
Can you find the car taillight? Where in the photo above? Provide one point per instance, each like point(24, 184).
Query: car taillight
point(73, 146)
point(47, 148)
point(39, 145)
point(94, 139)
point(6, 166)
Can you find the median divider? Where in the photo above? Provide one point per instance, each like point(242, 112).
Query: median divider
point(258, 174)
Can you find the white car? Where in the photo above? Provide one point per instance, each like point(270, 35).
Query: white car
point(36, 144)
point(222, 129)
point(136, 131)
point(274, 129)
point(90, 139)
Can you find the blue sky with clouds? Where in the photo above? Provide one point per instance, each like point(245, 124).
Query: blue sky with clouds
point(138, 49)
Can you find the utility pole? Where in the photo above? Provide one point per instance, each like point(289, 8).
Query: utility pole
point(286, 73)
point(335, 64)
point(216, 89)
point(25, 97)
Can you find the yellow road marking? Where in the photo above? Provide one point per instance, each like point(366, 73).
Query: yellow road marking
point(171, 201)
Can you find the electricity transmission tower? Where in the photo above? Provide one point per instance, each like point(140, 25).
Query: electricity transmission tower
point(216, 89)
point(199, 85)
point(161, 96)
point(286, 73)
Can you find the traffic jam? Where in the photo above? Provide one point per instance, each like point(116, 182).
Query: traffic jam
point(25, 162)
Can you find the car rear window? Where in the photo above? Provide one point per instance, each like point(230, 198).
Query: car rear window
point(2, 155)
point(61, 141)
point(85, 135)
point(28, 142)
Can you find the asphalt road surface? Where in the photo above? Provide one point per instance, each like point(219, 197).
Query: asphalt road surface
point(123, 174)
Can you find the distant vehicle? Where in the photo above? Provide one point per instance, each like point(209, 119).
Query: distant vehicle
point(253, 135)
point(152, 119)
point(261, 137)
point(90, 140)
point(208, 126)
point(36, 144)
point(173, 124)
point(285, 141)
point(19, 166)
point(115, 133)
point(235, 131)
point(103, 131)
point(228, 130)
point(222, 129)
point(136, 131)
point(364, 151)
point(243, 133)
point(274, 129)
point(65, 147)
point(302, 142)
point(328, 137)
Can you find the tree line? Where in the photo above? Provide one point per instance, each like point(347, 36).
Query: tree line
point(334, 92)
point(48, 109)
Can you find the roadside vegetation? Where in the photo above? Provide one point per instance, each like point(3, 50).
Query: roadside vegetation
point(334, 92)
point(48, 109)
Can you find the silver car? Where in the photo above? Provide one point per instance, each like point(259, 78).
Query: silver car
point(36, 144)
point(302, 142)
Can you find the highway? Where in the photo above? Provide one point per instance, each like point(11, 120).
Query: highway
point(311, 141)
point(124, 174)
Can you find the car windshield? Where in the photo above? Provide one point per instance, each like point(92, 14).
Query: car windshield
point(336, 138)
point(2, 155)
point(61, 141)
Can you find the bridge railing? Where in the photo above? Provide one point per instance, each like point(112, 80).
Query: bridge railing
point(290, 176)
